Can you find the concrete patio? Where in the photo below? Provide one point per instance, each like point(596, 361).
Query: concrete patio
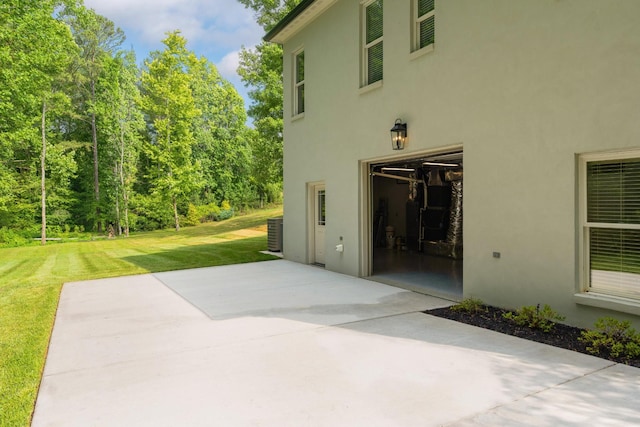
point(283, 344)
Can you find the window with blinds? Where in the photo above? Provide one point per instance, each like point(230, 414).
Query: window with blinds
point(612, 225)
point(424, 28)
point(372, 42)
point(298, 84)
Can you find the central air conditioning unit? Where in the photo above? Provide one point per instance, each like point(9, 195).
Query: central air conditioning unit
point(274, 236)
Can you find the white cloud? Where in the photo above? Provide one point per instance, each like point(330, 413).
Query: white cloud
point(227, 67)
point(216, 27)
point(229, 64)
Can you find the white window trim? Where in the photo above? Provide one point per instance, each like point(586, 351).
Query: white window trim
point(296, 84)
point(370, 87)
point(421, 52)
point(366, 46)
point(415, 30)
point(585, 295)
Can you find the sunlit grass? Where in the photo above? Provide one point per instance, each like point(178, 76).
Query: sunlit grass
point(31, 278)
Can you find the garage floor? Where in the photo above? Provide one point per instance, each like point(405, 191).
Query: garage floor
point(416, 271)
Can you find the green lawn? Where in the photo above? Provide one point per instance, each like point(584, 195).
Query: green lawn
point(31, 279)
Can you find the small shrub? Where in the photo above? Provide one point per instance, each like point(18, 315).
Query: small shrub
point(469, 305)
point(532, 317)
point(273, 193)
point(192, 218)
point(54, 231)
point(226, 211)
point(208, 212)
point(11, 238)
point(615, 336)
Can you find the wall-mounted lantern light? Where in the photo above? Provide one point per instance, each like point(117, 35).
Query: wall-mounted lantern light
point(398, 135)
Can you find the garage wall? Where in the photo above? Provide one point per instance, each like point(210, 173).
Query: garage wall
point(396, 196)
point(524, 86)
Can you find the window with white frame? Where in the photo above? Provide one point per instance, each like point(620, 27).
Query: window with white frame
point(424, 23)
point(611, 223)
point(372, 47)
point(298, 82)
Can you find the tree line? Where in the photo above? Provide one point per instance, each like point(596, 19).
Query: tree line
point(90, 140)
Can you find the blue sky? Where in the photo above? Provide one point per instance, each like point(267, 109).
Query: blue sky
point(215, 29)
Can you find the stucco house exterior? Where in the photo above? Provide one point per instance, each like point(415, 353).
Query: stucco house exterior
point(518, 181)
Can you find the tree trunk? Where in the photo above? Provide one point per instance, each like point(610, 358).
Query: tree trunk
point(126, 215)
point(174, 200)
point(125, 194)
point(118, 227)
point(175, 212)
point(43, 156)
point(94, 136)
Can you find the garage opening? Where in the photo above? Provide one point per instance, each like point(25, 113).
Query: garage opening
point(416, 240)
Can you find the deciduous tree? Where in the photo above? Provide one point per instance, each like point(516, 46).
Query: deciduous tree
point(98, 39)
point(35, 50)
point(168, 101)
point(261, 70)
point(122, 126)
point(219, 129)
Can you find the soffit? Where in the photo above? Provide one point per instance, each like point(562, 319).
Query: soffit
point(297, 19)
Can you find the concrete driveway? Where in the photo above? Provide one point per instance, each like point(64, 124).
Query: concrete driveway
point(283, 344)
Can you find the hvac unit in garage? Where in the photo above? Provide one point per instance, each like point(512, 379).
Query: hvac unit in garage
point(274, 237)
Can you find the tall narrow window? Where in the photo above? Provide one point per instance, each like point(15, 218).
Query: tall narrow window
point(612, 224)
point(424, 27)
point(372, 42)
point(322, 208)
point(298, 84)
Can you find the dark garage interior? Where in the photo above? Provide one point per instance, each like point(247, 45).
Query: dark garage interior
point(417, 223)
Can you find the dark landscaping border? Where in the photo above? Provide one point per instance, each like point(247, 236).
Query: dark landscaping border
point(562, 336)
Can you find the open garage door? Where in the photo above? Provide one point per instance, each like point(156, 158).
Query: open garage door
point(416, 224)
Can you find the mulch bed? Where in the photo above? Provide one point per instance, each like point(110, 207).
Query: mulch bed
point(562, 336)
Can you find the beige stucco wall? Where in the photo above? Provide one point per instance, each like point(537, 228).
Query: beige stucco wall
point(523, 85)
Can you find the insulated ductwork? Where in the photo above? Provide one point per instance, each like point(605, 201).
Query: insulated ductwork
point(454, 234)
point(452, 246)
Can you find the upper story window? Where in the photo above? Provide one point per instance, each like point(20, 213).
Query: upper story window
point(424, 24)
point(298, 83)
point(372, 41)
point(610, 215)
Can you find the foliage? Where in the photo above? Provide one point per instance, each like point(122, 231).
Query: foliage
point(149, 213)
point(168, 101)
point(208, 212)
point(270, 12)
point(532, 317)
point(191, 218)
point(88, 139)
point(122, 124)
point(221, 146)
point(98, 39)
point(469, 305)
point(261, 69)
point(12, 238)
point(226, 211)
point(35, 50)
point(273, 192)
point(616, 337)
point(213, 212)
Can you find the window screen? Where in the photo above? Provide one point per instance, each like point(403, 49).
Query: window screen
point(425, 23)
point(299, 84)
point(613, 222)
point(373, 42)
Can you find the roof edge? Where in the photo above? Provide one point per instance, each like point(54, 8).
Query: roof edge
point(288, 19)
